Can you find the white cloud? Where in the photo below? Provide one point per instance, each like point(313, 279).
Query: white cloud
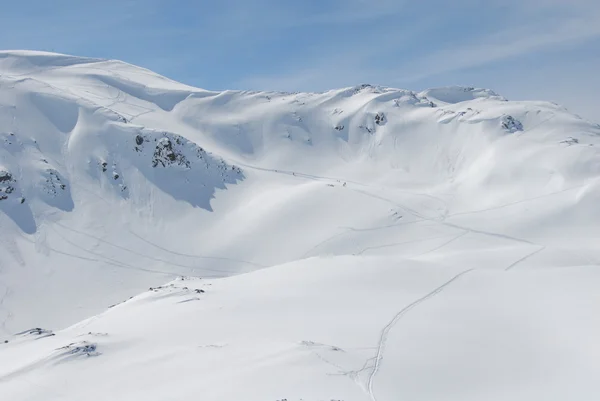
point(503, 45)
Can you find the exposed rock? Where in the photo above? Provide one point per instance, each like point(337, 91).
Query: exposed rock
point(81, 348)
point(369, 130)
point(570, 141)
point(166, 155)
point(36, 331)
point(7, 184)
point(53, 182)
point(6, 176)
point(510, 124)
point(360, 88)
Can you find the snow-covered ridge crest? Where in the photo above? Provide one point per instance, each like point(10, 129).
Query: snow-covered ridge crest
point(51, 136)
point(388, 239)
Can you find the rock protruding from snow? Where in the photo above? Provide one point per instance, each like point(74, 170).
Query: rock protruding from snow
point(166, 155)
point(570, 141)
point(7, 184)
point(53, 188)
point(511, 124)
point(53, 183)
point(37, 332)
point(171, 150)
point(13, 202)
point(179, 166)
point(78, 349)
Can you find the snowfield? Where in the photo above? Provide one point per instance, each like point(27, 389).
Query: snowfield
point(164, 242)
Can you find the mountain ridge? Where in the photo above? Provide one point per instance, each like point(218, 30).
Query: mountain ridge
point(166, 218)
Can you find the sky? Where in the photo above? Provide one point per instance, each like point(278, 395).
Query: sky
point(522, 49)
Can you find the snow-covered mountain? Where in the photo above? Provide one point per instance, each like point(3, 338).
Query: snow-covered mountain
point(366, 243)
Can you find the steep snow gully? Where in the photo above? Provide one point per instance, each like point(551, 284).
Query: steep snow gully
point(365, 243)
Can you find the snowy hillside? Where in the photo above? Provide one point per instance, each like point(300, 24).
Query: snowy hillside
point(357, 244)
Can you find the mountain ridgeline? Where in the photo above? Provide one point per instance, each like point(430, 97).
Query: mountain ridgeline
point(354, 244)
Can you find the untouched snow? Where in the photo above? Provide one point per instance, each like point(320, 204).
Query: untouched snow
point(366, 243)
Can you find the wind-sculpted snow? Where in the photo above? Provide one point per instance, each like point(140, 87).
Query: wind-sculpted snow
point(89, 134)
point(357, 244)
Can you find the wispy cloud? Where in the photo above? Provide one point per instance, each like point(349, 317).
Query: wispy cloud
point(506, 44)
point(515, 28)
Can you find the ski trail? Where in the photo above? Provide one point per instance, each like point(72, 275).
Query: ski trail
point(437, 248)
point(298, 174)
point(336, 179)
point(369, 248)
point(361, 230)
point(404, 223)
point(153, 244)
point(536, 125)
point(3, 328)
point(384, 333)
point(131, 251)
point(307, 253)
point(524, 258)
point(192, 256)
point(108, 261)
point(493, 208)
point(418, 215)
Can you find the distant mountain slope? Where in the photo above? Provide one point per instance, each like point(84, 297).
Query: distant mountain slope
point(361, 203)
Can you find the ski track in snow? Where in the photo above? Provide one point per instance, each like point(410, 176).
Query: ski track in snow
point(524, 258)
point(107, 260)
point(99, 256)
point(421, 218)
point(386, 330)
point(314, 177)
point(369, 248)
point(321, 243)
point(163, 248)
point(437, 248)
point(465, 229)
point(494, 208)
point(3, 307)
point(126, 249)
point(194, 256)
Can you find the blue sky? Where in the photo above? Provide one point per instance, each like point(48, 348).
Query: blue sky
point(523, 49)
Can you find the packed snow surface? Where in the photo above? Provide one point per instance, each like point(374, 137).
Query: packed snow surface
point(164, 242)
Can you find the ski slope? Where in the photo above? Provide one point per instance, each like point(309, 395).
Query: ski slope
point(366, 243)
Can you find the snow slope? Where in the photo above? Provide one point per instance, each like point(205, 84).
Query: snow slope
point(357, 244)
